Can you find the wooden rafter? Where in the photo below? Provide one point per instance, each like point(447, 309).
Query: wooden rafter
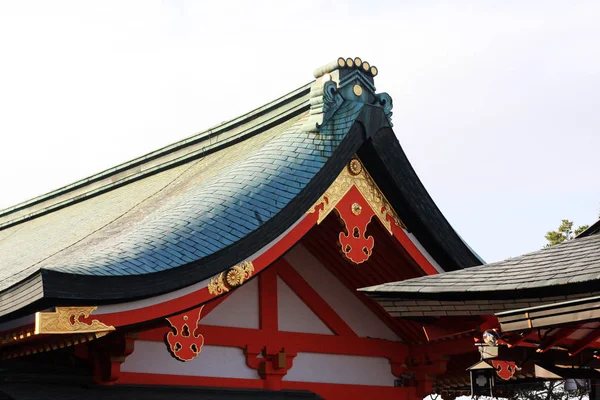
point(584, 342)
point(522, 339)
point(313, 300)
point(555, 339)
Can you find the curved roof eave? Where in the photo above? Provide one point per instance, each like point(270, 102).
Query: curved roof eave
point(391, 169)
point(72, 288)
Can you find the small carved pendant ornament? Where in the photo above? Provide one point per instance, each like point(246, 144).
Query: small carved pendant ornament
point(356, 215)
point(184, 344)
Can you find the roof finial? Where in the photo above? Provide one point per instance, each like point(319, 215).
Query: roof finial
point(345, 79)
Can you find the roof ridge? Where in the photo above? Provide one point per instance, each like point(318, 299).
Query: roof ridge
point(167, 157)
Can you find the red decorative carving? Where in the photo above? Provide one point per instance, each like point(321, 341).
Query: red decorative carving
point(505, 369)
point(356, 214)
point(184, 343)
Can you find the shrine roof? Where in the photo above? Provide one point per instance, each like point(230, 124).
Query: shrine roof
point(186, 212)
point(568, 268)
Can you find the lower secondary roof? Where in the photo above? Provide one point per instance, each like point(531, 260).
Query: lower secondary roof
point(567, 268)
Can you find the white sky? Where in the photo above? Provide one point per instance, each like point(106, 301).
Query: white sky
point(495, 103)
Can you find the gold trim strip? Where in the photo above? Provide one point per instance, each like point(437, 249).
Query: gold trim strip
point(355, 174)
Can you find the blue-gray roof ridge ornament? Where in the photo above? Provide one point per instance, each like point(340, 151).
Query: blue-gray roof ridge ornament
point(344, 80)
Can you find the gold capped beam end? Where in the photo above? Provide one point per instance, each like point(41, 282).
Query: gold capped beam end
point(66, 320)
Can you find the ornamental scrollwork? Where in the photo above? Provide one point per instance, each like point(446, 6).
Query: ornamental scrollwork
point(68, 320)
point(356, 245)
point(230, 279)
point(240, 273)
point(385, 101)
point(356, 175)
point(332, 100)
point(217, 286)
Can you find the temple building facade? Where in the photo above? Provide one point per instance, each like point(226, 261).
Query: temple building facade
point(232, 265)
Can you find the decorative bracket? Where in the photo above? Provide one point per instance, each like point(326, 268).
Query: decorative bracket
point(272, 365)
point(356, 198)
point(346, 79)
point(184, 344)
point(108, 355)
point(356, 214)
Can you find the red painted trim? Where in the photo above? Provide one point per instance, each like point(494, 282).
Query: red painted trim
point(551, 341)
point(329, 391)
point(267, 299)
point(286, 242)
point(412, 250)
point(313, 300)
point(201, 296)
point(294, 341)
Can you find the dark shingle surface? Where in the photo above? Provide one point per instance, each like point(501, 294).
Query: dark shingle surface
point(177, 216)
point(576, 261)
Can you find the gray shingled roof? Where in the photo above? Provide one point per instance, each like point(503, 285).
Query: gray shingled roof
point(576, 262)
point(179, 215)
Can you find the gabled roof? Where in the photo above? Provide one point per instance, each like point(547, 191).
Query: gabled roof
point(565, 269)
point(188, 211)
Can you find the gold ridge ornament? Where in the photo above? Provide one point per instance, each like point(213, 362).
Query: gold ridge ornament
point(230, 279)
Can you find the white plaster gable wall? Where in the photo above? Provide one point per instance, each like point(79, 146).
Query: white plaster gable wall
point(419, 246)
point(331, 368)
point(345, 303)
point(294, 315)
point(239, 310)
point(213, 361)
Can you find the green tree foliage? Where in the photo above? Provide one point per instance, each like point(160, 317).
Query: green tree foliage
point(564, 232)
